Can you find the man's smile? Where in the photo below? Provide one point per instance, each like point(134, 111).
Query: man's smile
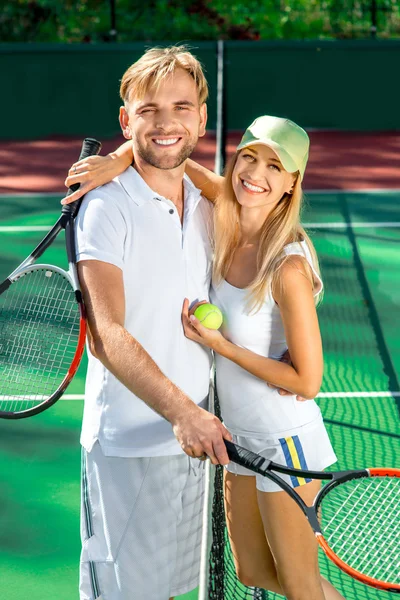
point(166, 141)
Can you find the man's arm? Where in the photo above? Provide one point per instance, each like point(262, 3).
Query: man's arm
point(197, 430)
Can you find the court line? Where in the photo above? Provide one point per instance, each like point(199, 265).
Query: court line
point(343, 225)
point(361, 428)
point(368, 296)
point(354, 192)
point(27, 228)
point(359, 395)
point(335, 225)
point(33, 195)
point(320, 395)
point(388, 191)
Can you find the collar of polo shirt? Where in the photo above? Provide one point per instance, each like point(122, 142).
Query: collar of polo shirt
point(138, 190)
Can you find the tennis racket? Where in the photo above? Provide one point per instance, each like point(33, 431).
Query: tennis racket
point(42, 323)
point(355, 517)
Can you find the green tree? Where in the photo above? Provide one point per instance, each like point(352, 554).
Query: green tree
point(158, 20)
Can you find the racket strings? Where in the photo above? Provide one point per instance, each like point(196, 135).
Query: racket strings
point(381, 534)
point(361, 523)
point(39, 331)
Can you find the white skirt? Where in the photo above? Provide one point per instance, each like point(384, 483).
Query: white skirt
point(307, 447)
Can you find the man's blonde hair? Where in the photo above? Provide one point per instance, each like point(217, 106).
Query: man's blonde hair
point(157, 63)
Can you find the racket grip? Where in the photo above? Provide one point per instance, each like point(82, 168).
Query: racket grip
point(247, 458)
point(90, 147)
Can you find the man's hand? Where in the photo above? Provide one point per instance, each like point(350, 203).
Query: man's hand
point(201, 433)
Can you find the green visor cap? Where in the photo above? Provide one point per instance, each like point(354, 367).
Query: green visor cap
point(290, 142)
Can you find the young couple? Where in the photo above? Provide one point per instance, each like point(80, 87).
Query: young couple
point(144, 250)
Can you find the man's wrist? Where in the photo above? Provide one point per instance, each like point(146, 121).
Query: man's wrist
point(180, 408)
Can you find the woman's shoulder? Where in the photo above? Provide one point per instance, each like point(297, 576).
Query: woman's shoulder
point(297, 262)
point(293, 246)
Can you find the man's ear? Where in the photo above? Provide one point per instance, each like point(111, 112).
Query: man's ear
point(124, 122)
point(203, 119)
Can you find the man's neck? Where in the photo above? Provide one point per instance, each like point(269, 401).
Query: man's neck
point(166, 182)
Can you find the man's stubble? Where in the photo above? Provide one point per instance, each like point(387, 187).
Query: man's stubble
point(165, 162)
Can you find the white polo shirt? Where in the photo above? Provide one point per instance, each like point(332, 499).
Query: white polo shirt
point(128, 225)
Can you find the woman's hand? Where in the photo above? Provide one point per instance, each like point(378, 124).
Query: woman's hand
point(94, 171)
point(195, 331)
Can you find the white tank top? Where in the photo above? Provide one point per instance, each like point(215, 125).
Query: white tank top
point(248, 405)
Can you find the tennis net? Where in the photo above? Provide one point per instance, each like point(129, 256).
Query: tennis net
point(218, 575)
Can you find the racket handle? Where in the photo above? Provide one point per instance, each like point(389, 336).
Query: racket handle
point(90, 147)
point(247, 458)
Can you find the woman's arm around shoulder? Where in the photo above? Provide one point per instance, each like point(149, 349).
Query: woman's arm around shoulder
point(93, 171)
point(208, 182)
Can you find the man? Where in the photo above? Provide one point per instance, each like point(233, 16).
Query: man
point(143, 246)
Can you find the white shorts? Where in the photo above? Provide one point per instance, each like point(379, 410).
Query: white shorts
point(141, 522)
point(306, 447)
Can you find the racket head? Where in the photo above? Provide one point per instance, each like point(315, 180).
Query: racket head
point(359, 517)
point(42, 339)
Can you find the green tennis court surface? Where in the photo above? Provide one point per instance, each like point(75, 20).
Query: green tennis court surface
point(358, 242)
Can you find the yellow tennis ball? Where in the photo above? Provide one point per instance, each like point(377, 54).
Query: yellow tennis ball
point(209, 315)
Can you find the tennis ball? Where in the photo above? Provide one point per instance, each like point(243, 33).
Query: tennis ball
point(209, 315)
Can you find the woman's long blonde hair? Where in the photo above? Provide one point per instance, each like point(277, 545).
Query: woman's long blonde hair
point(281, 227)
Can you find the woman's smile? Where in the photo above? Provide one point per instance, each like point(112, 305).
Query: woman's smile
point(251, 187)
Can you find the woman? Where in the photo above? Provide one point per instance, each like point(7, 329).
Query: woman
point(266, 280)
